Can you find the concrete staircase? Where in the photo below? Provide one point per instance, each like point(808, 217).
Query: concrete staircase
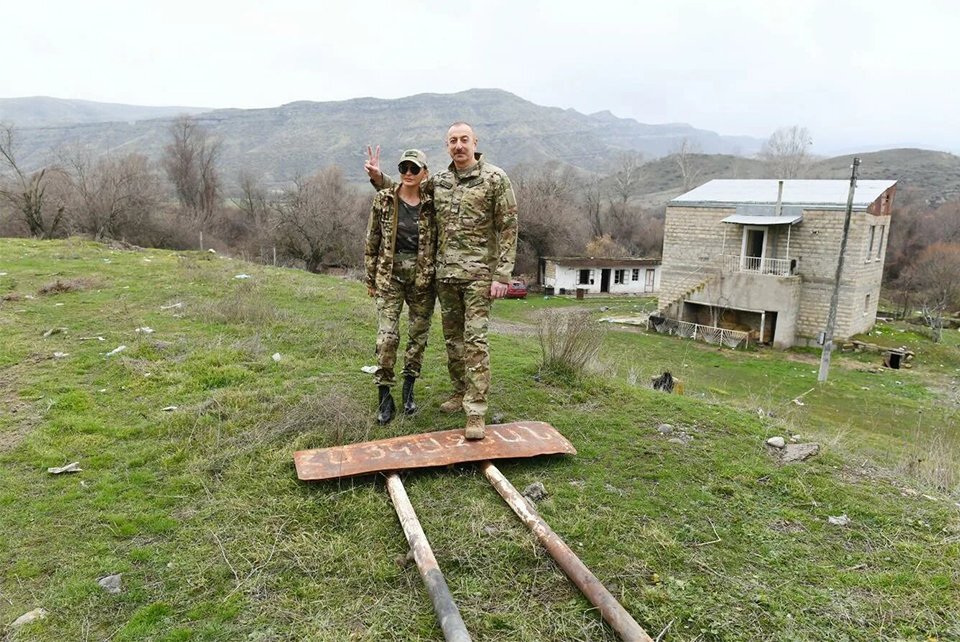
point(693, 283)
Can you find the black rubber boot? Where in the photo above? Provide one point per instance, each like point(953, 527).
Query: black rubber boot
point(409, 405)
point(387, 407)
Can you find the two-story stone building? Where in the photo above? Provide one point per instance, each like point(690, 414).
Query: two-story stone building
point(760, 256)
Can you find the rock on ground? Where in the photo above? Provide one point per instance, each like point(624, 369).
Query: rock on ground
point(27, 618)
point(535, 492)
point(110, 583)
point(799, 452)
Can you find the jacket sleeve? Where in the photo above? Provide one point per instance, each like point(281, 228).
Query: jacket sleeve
point(385, 182)
point(505, 222)
point(371, 251)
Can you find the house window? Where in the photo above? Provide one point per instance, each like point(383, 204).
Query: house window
point(866, 305)
point(870, 239)
point(618, 276)
point(636, 274)
point(880, 242)
point(584, 277)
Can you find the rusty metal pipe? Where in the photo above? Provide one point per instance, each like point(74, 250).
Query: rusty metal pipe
point(611, 610)
point(454, 630)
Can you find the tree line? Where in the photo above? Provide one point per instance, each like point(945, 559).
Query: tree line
point(317, 221)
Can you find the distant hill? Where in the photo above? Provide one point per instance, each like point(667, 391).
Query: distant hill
point(44, 111)
point(936, 175)
point(302, 137)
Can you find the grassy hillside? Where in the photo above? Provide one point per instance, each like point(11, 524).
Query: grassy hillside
point(188, 489)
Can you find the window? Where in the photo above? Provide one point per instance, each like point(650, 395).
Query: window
point(880, 243)
point(870, 238)
point(584, 277)
point(866, 305)
point(636, 274)
point(618, 276)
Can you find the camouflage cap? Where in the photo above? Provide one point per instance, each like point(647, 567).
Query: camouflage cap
point(414, 156)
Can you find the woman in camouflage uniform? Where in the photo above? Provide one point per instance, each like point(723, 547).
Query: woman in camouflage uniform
point(399, 259)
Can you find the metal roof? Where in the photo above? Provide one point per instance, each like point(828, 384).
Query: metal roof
point(599, 262)
point(745, 219)
point(754, 214)
point(810, 194)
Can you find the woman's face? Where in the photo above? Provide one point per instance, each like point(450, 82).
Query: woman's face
point(408, 177)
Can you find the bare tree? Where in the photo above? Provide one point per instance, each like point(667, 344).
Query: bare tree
point(685, 159)
point(247, 226)
point(626, 177)
point(593, 204)
point(320, 221)
point(786, 150)
point(605, 247)
point(934, 275)
point(253, 201)
point(111, 197)
point(26, 192)
point(190, 161)
point(551, 224)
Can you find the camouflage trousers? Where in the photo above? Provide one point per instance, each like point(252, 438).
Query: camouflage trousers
point(465, 311)
point(390, 300)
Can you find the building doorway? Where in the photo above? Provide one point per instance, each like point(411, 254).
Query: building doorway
point(754, 248)
point(605, 280)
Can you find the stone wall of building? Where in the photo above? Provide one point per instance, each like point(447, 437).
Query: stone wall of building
point(695, 240)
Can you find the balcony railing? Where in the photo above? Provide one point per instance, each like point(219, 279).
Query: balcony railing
point(772, 267)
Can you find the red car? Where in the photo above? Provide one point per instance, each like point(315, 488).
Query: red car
point(517, 290)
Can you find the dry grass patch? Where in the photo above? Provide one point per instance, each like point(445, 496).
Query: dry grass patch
point(332, 417)
point(244, 305)
point(62, 286)
point(569, 342)
point(933, 461)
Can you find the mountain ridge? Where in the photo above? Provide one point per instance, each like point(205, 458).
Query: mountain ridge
point(303, 136)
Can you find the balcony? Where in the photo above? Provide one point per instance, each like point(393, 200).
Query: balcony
point(759, 265)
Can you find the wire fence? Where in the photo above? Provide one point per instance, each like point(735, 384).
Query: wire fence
point(707, 333)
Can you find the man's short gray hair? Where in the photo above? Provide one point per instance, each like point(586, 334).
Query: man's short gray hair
point(463, 122)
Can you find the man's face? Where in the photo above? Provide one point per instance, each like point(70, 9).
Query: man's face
point(461, 145)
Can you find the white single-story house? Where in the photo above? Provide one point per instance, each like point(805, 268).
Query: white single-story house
point(565, 275)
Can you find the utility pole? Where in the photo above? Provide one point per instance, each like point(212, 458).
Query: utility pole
point(834, 300)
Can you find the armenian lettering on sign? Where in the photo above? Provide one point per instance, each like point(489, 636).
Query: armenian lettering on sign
point(519, 439)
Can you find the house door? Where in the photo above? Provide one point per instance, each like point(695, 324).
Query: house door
point(754, 248)
point(605, 280)
point(769, 330)
point(648, 283)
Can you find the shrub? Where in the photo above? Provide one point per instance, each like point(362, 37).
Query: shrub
point(569, 343)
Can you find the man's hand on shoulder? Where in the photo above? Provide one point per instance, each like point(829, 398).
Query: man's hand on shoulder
point(498, 290)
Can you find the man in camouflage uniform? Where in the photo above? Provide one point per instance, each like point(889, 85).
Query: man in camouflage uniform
point(399, 260)
point(476, 214)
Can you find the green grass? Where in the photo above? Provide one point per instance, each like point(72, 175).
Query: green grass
point(199, 508)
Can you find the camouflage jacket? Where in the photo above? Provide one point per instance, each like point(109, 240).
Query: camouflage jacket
point(476, 216)
point(382, 238)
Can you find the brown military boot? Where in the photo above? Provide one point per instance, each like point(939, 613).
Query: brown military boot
point(474, 429)
point(453, 404)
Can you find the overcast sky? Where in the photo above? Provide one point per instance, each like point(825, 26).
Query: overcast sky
point(856, 73)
